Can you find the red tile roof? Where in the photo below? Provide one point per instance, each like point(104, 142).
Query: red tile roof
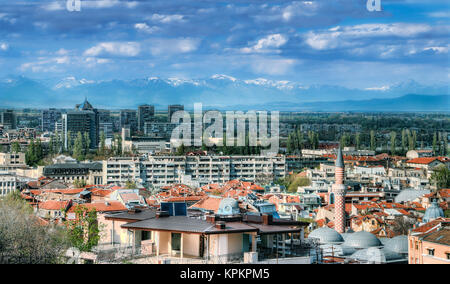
point(210, 204)
point(52, 205)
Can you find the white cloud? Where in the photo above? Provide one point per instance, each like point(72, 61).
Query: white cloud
point(265, 44)
point(4, 46)
point(54, 6)
point(382, 88)
point(346, 36)
point(128, 49)
point(437, 49)
point(303, 8)
point(174, 46)
point(167, 18)
point(99, 3)
point(272, 66)
point(146, 28)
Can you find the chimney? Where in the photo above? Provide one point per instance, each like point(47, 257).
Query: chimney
point(210, 218)
point(267, 219)
point(162, 214)
point(220, 225)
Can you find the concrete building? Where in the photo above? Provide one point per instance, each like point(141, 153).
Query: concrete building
point(164, 170)
point(128, 119)
point(84, 119)
point(70, 172)
point(49, 119)
point(146, 113)
point(172, 109)
point(12, 161)
point(8, 119)
point(8, 183)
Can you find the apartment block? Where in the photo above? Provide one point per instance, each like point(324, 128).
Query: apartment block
point(163, 170)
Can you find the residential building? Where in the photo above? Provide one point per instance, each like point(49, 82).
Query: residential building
point(49, 119)
point(430, 243)
point(84, 119)
point(146, 113)
point(165, 170)
point(128, 119)
point(8, 119)
point(70, 172)
point(8, 183)
point(172, 109)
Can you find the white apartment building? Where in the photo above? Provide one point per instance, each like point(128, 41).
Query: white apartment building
point(8, 183)
point(12, 161)
point(163, 170)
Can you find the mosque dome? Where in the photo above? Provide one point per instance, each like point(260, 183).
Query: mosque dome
point(362, 240)
point(228, 206)
point(326, 235)
point(398, 244)
point(376, 255)
point(433, 212)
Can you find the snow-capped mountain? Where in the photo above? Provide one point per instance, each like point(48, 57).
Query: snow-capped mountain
point(216, 91)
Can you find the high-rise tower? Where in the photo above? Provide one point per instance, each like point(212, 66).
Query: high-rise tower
point(339, 194)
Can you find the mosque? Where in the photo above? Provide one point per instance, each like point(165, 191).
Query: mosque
point(362, 247)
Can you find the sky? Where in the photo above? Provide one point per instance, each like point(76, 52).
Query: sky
point(326, 42)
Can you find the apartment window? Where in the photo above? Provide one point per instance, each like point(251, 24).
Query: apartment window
point(431, 252)
point(448, 255)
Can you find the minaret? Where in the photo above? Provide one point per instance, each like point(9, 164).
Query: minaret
point(338, 189)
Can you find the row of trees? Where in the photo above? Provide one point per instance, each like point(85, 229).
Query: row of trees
point(408, 141)
point(296, 141)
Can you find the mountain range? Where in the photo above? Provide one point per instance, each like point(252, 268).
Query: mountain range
point(220, 92)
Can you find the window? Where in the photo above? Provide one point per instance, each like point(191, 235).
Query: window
point(431, 252)
point(448, 255)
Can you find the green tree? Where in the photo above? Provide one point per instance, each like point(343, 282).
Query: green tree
point(358, 141)
point(78, 149)
point(23, 240)
point(102, 148)
point(373, 142)
point(79, 183)
point(298, 181)
point(393, 142)
point(83, 230)
point(130, 185)
point(15, 147)
point(404, 140)
point(441, 177)
point(86, 143)
point(181, 150)
point(435, 143)
point(34, 153)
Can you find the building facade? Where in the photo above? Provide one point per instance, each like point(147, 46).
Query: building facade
point(84, 119)
point(49, 119)
point(146, 113)
point(163, 170)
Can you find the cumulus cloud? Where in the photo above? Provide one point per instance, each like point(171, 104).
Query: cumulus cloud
point(146, 28)
point(273, 41)
point(127, 49)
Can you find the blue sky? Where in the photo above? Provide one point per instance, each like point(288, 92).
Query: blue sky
point(334, 42)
